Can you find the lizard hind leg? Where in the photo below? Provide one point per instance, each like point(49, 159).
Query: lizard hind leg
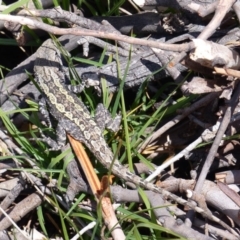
point(104, 119)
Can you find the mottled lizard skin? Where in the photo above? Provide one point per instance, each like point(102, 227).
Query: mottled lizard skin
point(76, 120)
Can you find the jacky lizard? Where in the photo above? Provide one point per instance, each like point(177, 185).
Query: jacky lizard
point(74, 118)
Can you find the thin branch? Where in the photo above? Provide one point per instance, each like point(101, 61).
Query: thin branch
point(100, 34)
point(224, 124)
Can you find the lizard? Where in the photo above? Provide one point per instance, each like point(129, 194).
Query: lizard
point(75, 119)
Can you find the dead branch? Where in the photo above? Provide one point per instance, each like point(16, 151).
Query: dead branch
point(100, 34)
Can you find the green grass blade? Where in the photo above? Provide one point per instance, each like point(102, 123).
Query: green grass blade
point(14, 6)
point(41, 219)
point(114, 10)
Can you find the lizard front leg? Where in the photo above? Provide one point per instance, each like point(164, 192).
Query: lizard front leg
point(104, 119)
point(60, 141)
point(43, 110)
